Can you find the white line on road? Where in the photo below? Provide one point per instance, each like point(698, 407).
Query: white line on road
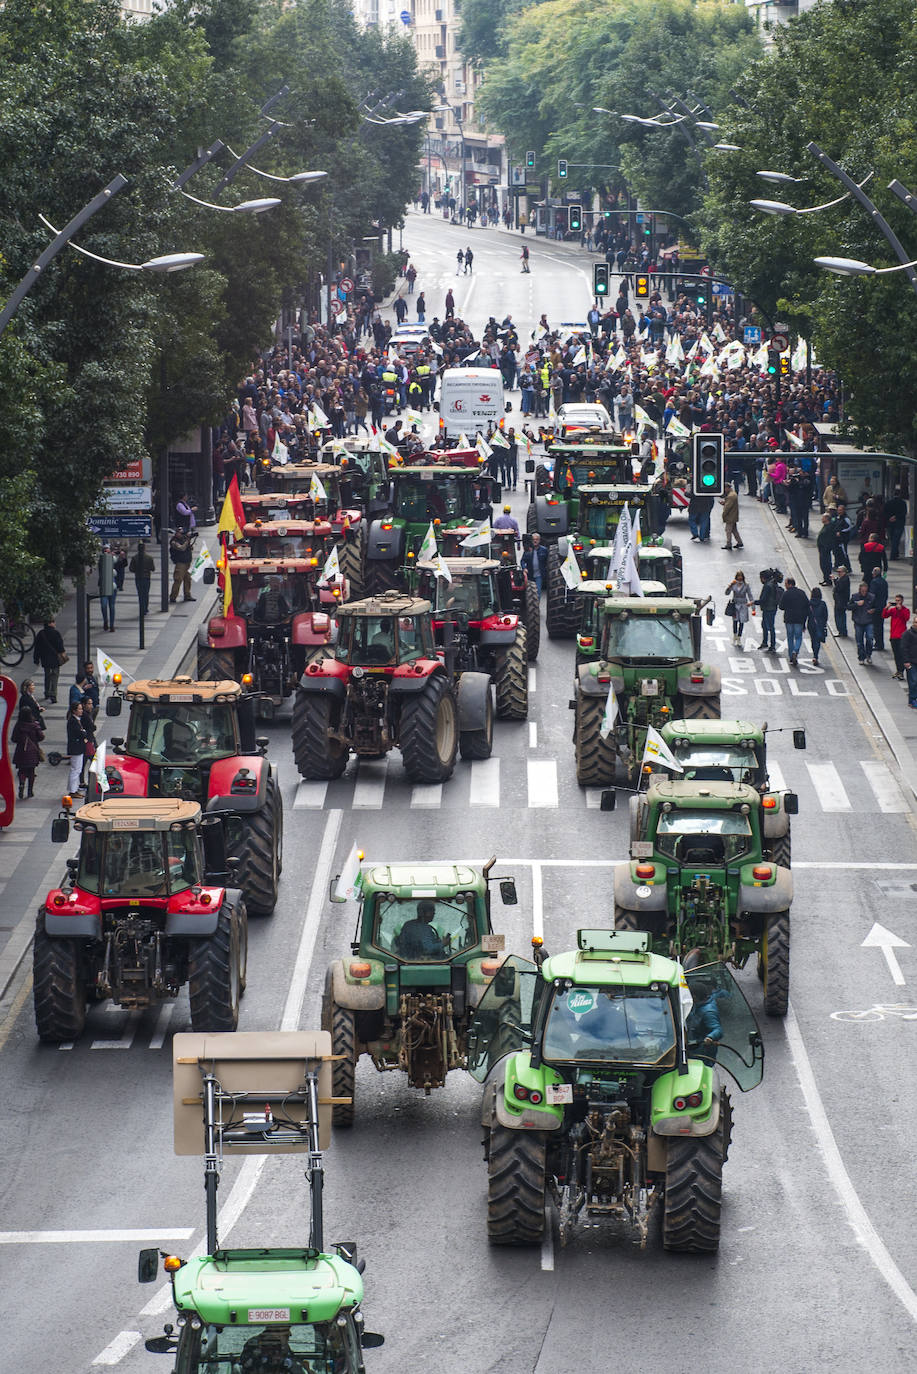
point(775, 778)
point(533, 678)
point(537, 901)
point(828, 786)
point(594, 798)
point(310, 796)
point(542, 780)
point(162, 1025)
point(859, 1220)
point(887, 792)
point(119, 1347)
point(547, 1243)
point(91, 1237)
point(127, 1037)
point(369, 792)
point(533, 734)
point(485, 783)
point(427, 794)
point(888, 942)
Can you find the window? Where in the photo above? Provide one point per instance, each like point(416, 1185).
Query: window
point(225, 1350)
point(699, 837)
point(647, 636)
point(424, 928)
point(170, 734)
point(600, 1024)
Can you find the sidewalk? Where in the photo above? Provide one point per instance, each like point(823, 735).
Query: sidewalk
point(29, 863)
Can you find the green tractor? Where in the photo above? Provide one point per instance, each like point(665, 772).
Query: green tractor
point(658, 560)
point(736, 751)
point(700, 882)
point(266, 1309)
point(555, 490)
point(602, 1090)
point(592, 598)
point(648, 672)
point(423, 954)
point(448, 496)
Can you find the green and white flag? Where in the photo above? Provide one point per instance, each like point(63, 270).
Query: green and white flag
point(569, 570)
point(348, 882)
point(619, 549)
point(428, 550)
point(719, 333)
point(202, 560)
point(641, 417)
point(98, 767)
point(414, 416)
point(439, 563)
point(483, 447)
point(279, 453)
point(676, 428)
point(674, 352)
point(610, 714)
point(463, 440)
point(657, 751)
point(482, 535)
point(498, 439)
point(316, 490)
point(331, 572)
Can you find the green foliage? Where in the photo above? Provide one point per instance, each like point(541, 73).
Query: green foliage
point(385, 269)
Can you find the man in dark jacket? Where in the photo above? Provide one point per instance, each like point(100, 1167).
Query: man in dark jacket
point(861, 607)
point(878, 590)
point(699, 508)
point(181, 551)
point(535, 561)
point(841, 578)
point(48, 649)
point(909, 657)
point(795, 607)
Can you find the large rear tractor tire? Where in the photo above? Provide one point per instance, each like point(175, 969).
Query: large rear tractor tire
point(515, 1186)
point(343, 1071)
point(428, 737)
point(781, 849)
point(532, 619)
point(317, 755)
point(216, 665)
point(352, 560)
point(775, 963)
point(215, 973)
point(511, 679)
point(59, 987)
point(478, 744)
point(531, 519)
point(674, 579)
point(694, 1191)
point(595, 756)
point(700, 708)
point(261, 857)
point(380, 577)
point(561, 613)
point(625, 920)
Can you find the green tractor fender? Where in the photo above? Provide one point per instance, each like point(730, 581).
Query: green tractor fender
point(775, 820)
point(588, 682)
point(686, 1104)
point(765, 896)
point(357, 994)
point(710, 684)
point(637, 894)
point(517, 1094)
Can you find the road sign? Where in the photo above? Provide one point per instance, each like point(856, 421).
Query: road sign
point(122, 526)
point(751, 334)
point(638, 217)
point(138, 470)
point(346, 284)
point(338, 307)
point(722, 288)
point(127, 498)
point(780, 342)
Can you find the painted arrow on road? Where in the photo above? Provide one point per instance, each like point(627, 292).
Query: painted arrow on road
point(880, 938)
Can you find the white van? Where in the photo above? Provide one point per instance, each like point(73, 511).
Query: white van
point(471, 398)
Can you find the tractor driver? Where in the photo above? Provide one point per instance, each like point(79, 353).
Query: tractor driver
point(418, 938)
point(269, 1353)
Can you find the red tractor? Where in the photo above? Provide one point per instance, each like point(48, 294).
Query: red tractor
point(515, 592)
point(384, 684)
point(196, 741)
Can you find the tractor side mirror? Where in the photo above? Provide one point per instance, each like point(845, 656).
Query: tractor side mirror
point(332, 891)
point(710, 614)
point(608, 800)
point(210, 576)
point(799, 739)
point(371, 1339)
point(262, 742)
point(73, 865)
point(161, 1345)
point(113, 706)
point(529, 465)
point(117, 742)
point(508, 892)
point(509, 406)
point(148, 1266)
point(60, 830)
point(791, 804)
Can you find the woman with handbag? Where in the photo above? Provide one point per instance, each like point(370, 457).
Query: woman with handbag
point(49, 651)
point(817, 622)
point(741, 599)
point(27, 736)
point(76, 749)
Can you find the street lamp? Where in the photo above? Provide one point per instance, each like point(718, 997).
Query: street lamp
point(253, 207)
point(852, 267)
point(168, 262)
point(780, 178)
point(780, 207)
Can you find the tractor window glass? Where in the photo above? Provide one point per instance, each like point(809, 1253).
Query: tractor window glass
point(267, 1350)
point(461, 596)
point(184, 869)
point(703, 837)
point(503, 1020)
point(410, 640)
point(599, 521)
point(90, 861)
point(648, 636)
point(718, 763)
point(271, 598)
point(134, 865)
point(176, 734)
point(367, 641)
point(601, 1024)
point(425, 928)
point(720, 1027)
point(600, 474)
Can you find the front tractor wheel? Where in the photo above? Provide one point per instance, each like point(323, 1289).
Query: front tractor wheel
point(215, 973)
point(563, 609)
point(215, 665)
point(595, 756)
point(774, 962)
point(428, 736)
point(317, 755)
point(262, 839)
point(701, 708)
point(694, 1190)
point(344, 1070)
point(59, 988)
point(511, 679)
point(515, 1186)
point(532, 621)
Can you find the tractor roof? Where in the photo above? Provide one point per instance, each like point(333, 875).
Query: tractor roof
point(181, 689)
point(422, 880)
point(306, 471)
point(431, 470)
point(713, 796)
point(714, 731)
point(613, 488)
point(389, 603)
point(254, 528)
point(138, 813)
point(606, 970)
point(652, 589)
point(651, 551)
point(658, 606)
point(466, 567)
point(225, 1287)
point(270, 565)
point(586, 451)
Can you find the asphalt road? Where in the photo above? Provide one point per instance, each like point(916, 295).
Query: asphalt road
point(817, 1266)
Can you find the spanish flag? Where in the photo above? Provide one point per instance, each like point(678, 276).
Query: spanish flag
point(227, 592)
point(232, 516)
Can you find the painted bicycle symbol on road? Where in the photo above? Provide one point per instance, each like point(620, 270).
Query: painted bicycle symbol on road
point(878, 1012)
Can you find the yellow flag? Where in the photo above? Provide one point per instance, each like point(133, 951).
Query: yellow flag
point(227, 592)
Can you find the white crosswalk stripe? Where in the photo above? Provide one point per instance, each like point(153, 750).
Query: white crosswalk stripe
point(542, 780)
point(310, 796)
point(775, 776)
point(887, 792)
point(485, 783)
point(369, 792)
point(831, 793)
point(427, 794)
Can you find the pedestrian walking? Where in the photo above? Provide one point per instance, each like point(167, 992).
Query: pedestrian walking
point(741, 600)
point(469, 259)
point(699, 511)
point(826, 543)
point(841, 580)
point(795, 607)
point(525, 258)
point(107, 589)
point(76, 749)
point(450, 305)
point(909, 659)
point(141, 565)
point(769, 600)
point(400, 308)
point(27, 735)
point(535, 563)
point(817, 623)
point(50, 653)
point(421, 308)
point(411, 275)
point(897, 615)
point(460, 260)
point(861, 609)
point(120, 567)
point(181, 552)
point(730, 504)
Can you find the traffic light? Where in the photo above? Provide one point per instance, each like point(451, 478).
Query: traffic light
point(600, 274)
point(702, 297)
point(561, 168)
point(773, 362)
point(576, 218)
point(641, 287)
point(708, 475)
point(530, 158)
point(784, 367)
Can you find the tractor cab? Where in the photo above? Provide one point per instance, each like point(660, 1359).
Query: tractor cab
point(305, 539)
point(593, 596)
point(269, 592)
point(723, 750)
point(441, 493)
point(471, 596)
point(635, 630)
point(384, 631)
point(277, 505)
point(600, 507)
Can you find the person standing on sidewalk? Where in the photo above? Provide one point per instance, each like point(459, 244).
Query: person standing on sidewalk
point(181, 551)
point(107, 588)
point(730, 504)
point(817, 623)
point(76, 748)
point(826, 542)
point(699, 509)
point(897, 615)
point(895, 518)
point(795, 607)
point(909, 659)
point(141, 565)
point(841, 579)
point(50, 653)
point(769, 602)
point(27, 736)
point(878, 590)
point(861, 608)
